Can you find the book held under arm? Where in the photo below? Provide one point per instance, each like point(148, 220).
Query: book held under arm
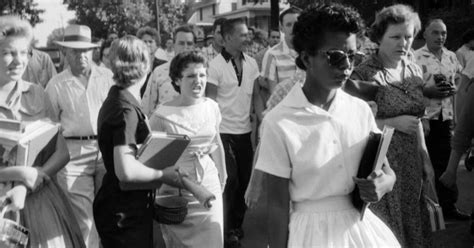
point(372, 160)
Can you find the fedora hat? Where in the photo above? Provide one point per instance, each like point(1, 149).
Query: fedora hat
point(78, 37)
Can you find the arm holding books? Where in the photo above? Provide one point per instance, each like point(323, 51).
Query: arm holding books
point(129, 170)
point(377, 184)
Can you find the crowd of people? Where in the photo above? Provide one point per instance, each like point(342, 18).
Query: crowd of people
point(287, 116)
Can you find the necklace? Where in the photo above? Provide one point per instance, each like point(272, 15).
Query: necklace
point(402, 86)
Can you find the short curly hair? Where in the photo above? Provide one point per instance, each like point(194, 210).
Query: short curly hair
point(318, 19)
point(180, 62)
point(152, 32)
point(14, 26)
point(130, 60)
point(468, 36)
point(395, 14)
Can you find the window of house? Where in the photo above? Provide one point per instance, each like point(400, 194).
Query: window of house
point(200, 14)
point(214, 9)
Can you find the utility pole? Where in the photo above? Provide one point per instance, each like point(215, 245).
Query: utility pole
point(157, 2)
point(274, 13)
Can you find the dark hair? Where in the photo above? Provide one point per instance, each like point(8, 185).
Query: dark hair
point(290, 10)
point(273, 30)
point(318, 19)
point(180, 62)
point(105, 44)
point(252, 28)
point(183, 29)
point(130, 60)
point(395, 14)
point(151, 32)
point(229, 25)
point(468, 36)
point(218, 23)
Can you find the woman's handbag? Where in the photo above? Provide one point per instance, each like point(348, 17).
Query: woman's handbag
point(12, 234)
point(434, 209)
point(171, 209)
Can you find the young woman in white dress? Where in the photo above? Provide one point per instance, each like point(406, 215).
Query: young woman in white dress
point(199, 117)
point(312, 143)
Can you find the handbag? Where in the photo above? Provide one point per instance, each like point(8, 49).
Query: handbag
point(171, 209)
point(434, 209)
point(12, 234)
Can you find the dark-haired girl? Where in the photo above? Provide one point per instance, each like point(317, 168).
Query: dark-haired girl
point(193, 114)
point(312, 143)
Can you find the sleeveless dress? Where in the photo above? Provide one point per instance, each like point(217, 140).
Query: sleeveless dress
point(402, 209)
point(47, 214)
point(202, 227)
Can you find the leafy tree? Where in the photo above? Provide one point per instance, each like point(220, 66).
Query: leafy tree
point(123, 17)
point(26, 9)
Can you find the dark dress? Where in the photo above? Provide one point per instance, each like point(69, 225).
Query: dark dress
point(402, 209)
point(123, 218)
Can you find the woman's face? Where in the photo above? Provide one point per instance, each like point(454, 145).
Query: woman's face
point(192, 84)
point(396, 42)
point(319, 69)
point(105, 57)
point(13, 58)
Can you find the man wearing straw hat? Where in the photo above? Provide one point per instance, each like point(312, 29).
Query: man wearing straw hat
point(76, 95)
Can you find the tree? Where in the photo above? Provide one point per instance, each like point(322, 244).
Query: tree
point(26, 9)
point(104, 16)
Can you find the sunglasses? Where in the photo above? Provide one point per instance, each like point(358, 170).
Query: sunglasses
point(337, 58)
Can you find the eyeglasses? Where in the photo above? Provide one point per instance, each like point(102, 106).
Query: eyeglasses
point(336, 58)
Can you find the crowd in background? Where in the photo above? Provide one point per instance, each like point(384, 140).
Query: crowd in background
point(286, 113)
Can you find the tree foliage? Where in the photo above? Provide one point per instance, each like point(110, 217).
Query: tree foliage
point(121, 16)
point(25, 9)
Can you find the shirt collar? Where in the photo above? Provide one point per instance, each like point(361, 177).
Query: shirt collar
point(227, 56)
point(124, 95)
point(427, 53)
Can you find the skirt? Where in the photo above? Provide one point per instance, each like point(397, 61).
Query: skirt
point(334, 222)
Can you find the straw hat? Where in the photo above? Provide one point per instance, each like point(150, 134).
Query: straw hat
point(78, 37)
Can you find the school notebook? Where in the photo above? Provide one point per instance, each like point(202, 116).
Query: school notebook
point(372, 160)
point(161, 150)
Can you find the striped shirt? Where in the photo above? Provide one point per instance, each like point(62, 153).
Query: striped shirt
point(279, 63)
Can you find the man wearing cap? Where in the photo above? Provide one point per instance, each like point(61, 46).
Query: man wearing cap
point(76, 95)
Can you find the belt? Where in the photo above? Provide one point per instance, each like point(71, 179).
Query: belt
point(90, 137)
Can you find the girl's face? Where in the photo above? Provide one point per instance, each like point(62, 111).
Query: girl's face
point(192, 84)
point(13, 58)
point(333, 63)
point(396, 42)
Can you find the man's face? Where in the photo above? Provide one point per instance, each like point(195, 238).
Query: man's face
point(112, 36)
point(184, 41)
point(435, 35)
point(274, 38)
point(79, 59)
point(218, 39)
point(251, 35)
point(287, 25)
point(237, 39)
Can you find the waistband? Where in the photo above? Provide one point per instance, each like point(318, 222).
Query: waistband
point(328, 204)
point(90, 137)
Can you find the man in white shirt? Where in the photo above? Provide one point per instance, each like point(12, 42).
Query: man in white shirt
point(76, 95)
point(159, 88)
point(231, 82)
point(440, 70)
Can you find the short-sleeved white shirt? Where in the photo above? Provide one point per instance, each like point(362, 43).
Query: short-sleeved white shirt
point(318, 150)
point(234, 100)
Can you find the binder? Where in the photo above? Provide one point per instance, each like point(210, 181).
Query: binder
point(161, 150)
point(372, 160)
point(21, 146)
point(158, 151)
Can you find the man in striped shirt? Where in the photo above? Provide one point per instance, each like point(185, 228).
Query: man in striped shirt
point(279, 61)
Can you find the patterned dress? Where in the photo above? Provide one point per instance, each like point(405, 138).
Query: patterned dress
point(402, 209)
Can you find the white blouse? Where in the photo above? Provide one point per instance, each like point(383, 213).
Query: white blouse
point(318, 150)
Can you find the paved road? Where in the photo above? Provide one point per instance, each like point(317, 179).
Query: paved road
point(456, 234)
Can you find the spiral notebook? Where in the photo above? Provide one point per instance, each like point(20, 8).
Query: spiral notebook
point(161, 150)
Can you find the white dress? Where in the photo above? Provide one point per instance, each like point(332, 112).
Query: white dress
point(202, 227)
point(319, 152)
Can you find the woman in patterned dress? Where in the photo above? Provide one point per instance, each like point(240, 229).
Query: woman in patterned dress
point(46, 210)
point(400, 104)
